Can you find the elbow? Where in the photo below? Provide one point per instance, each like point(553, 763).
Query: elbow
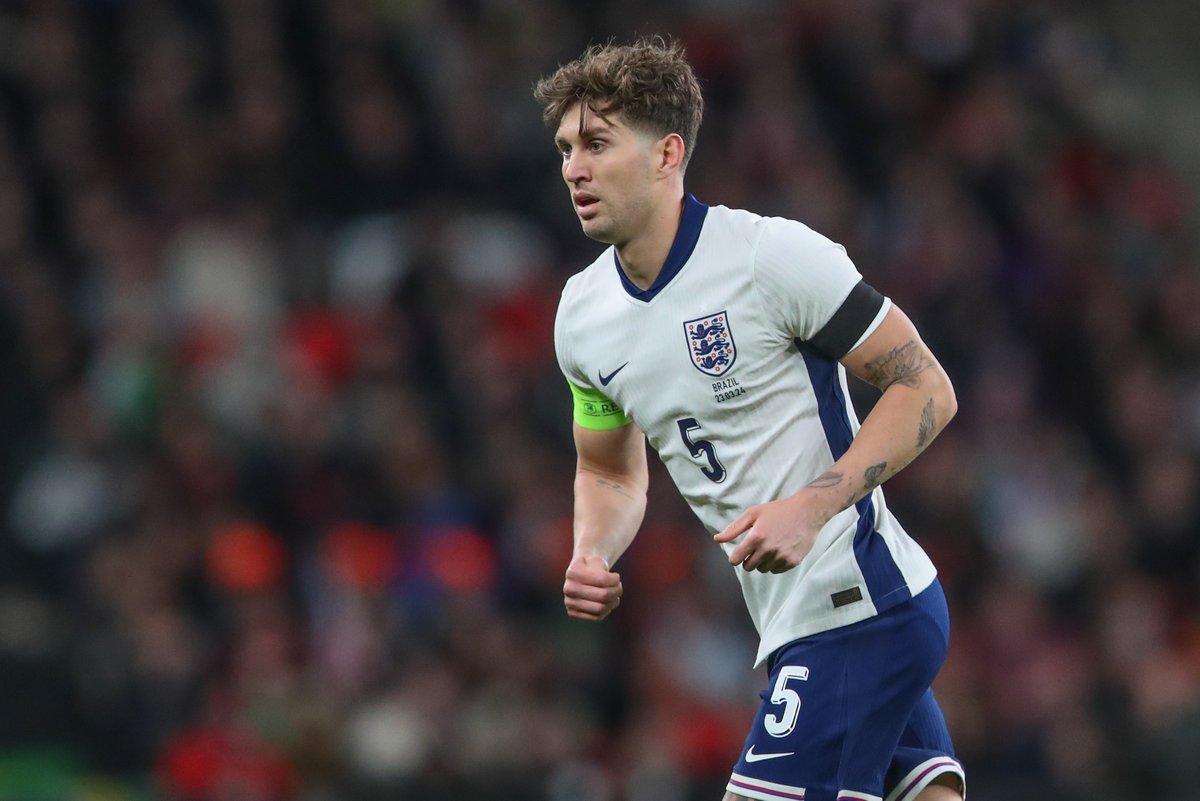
point(946, 401)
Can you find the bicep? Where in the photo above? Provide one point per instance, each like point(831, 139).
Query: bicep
point(619, 452)
point(894, 353)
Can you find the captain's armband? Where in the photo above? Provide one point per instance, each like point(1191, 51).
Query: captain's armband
point(595, 412)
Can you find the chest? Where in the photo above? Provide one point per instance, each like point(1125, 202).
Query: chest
point(704, 347)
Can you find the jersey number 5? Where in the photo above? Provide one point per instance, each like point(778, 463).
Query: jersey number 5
point(782, 724)
point(715, 472)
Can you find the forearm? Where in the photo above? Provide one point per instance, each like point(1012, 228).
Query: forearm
point(608, 512)
point(904, 421)
point(917, 402)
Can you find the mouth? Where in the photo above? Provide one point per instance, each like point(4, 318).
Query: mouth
point(585, 204)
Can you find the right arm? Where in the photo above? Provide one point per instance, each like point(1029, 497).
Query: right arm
point(611, 477)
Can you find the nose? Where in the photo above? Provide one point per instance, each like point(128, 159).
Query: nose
point(574, 167)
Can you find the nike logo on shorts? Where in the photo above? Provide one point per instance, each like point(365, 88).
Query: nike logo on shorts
point(753, 757)
point(604, 379)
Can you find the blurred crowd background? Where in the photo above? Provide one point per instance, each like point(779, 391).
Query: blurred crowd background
point(285, 458)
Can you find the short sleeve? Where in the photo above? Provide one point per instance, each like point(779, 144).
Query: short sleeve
point(592, 408)
point(562, 347)
point(814, 288)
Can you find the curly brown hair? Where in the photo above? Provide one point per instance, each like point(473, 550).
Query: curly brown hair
point(649, 83)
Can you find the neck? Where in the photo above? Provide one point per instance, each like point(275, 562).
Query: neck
point(642, 257)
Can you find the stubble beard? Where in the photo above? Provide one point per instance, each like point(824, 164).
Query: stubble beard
point(614, 228)
point(603, 231)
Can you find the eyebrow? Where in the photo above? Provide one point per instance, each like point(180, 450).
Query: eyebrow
point(585, 134)
point(587, 131)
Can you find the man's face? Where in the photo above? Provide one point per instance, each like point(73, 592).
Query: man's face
point(608, 169)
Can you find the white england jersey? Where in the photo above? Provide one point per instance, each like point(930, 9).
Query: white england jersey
point(728, 363)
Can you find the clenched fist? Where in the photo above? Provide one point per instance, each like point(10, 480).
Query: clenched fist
point(591, 589)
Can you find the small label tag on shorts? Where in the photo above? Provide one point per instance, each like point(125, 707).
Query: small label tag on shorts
point(846, 597)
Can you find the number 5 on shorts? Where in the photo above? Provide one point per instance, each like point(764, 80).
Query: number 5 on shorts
point(782, 725)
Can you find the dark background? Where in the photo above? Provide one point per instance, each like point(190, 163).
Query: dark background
point(285, 459)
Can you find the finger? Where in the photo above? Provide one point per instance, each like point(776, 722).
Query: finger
point(592, 576)
point(763, 558)
point(586, 592)
point(752, 562)
point(578, 615)
point(598, 561)
point(590, 562)
point(735, 529)
point(770, 566)
point(576, 608)
point(743, 550)
point(590, 610)
point(782, 566)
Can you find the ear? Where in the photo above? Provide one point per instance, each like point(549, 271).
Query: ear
point(669, 154)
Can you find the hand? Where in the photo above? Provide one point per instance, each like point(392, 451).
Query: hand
point(778, 535)
point(591, 589)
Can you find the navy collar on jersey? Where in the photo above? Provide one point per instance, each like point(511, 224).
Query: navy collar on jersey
point(690, 223)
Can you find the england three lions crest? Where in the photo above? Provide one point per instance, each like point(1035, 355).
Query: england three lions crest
point(710, 342)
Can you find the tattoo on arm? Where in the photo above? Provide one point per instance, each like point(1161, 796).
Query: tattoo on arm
point(874, 474)
point(826, 480)
point(615, 486)
point(928, 425)
point(902, 365)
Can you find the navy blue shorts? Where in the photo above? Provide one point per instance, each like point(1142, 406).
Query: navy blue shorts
point(848, 714)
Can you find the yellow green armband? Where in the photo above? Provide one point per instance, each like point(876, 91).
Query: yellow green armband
point(594, 411)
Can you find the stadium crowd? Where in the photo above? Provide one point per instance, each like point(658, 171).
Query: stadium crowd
point(286, 460)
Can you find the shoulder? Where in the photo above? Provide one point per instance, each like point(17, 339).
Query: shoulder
point(789, 251)
point(796, 237)
point(584, 295)
point(591, 279)
point(737, 226)
point(771, 235)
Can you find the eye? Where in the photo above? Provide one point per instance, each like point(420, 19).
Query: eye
point(595, 145)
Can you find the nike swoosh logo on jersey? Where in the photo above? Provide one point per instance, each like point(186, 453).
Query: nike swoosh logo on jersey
point(604, 379)
point(753, 757)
